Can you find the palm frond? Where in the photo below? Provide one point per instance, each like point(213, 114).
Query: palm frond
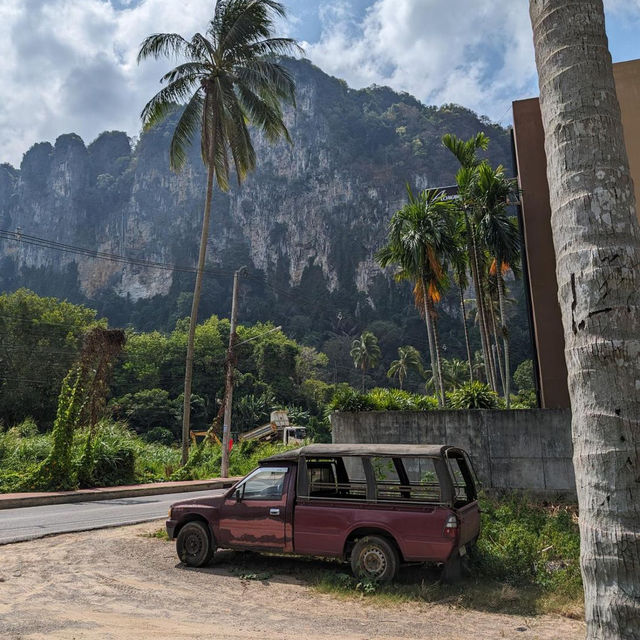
point(270, 47)
point(257, 75)
point(185, 131)
point(246, 21)
point(201, 49)
point(176, 92)
point(193, 70)
point(266, 115)
point(161, 45)
point(236, 133)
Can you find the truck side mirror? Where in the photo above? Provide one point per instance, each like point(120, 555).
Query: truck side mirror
point(238, 493)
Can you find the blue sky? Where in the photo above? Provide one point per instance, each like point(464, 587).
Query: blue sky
point(69, 65)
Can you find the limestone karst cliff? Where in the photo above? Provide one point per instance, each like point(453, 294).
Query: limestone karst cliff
point(307, 222)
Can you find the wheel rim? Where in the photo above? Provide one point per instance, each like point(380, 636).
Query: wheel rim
point(374, 561)
point(193, 544)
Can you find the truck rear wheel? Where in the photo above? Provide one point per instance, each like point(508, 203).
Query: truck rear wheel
point(374, 558)
point(194, 545)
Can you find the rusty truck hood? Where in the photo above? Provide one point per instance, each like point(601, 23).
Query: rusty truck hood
point(212, 499)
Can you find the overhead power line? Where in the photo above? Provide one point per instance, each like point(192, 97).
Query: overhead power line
point(18, 236)
point(24, 238)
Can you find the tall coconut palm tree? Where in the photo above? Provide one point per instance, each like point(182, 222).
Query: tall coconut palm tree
point(419, 242)
point(408, 358)
point(597, 245)
point(459, 260)
point(499, 234)
point(228, 79)
point(365, 353)
point(466, 152)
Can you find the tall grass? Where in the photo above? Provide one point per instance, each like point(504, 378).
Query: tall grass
point(117, 456)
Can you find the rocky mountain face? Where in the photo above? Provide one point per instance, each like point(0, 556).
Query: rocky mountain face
point(307, 222)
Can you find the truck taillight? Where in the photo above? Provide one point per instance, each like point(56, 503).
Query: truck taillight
point(451, 527)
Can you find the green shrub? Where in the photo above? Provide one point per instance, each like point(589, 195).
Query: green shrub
point(160, 435)
point(473, 395)
point(380, 399)
point(348, 399)
point(524, 400)
point(109, 459)
point(155, 462)
point(391, 399)
point(27, 428)
point(426, 403)
point(524, 376)
point(319, 429)
point(147, 409)
point(523, 543)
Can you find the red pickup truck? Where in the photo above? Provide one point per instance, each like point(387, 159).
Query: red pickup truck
point(377, 505)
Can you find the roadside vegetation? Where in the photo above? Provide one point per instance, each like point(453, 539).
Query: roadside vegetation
point(79, 410)
point(118, 457)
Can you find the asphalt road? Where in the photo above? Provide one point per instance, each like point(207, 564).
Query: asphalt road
point(27, 523)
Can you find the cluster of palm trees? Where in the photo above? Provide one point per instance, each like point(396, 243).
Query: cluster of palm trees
point(436, 241)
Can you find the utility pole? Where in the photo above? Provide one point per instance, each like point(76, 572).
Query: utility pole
point(228, 391)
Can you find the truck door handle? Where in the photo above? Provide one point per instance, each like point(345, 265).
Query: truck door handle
point(274, 512)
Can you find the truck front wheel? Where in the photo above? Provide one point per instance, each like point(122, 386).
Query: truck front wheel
point(374, 558)
point(194, 545)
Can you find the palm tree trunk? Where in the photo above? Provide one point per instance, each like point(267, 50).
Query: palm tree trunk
point(597, 245)
point(475, 276)
point(466, 333)
point(505, 338)
point(498, 358)
point(432, 353)
point(193, 321)
point(362, 378)
point(490, 330)
point(436, 343)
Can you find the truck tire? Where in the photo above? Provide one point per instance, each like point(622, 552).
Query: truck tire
point(374, 558)
point(194, 544)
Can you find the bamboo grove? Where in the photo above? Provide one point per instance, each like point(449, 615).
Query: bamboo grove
point(469, 241)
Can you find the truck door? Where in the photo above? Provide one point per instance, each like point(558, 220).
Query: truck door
point(254, 514)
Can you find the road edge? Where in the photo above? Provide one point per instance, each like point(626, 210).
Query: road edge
point(18, 500)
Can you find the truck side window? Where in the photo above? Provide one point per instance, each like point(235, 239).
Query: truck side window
point(423, 479)
point(463, 485)
point(266, 483)
point(406, 479)
point(388, 483)
point(340, 478)
point(323, 481)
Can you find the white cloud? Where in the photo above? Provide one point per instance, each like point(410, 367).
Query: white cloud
point(69, 66)
point(479, 55)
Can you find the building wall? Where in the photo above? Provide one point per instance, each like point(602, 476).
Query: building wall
point(527, 449)
point(627, 78)
point(536, 215)
point(540, 255)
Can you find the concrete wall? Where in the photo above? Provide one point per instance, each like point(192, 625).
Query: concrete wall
point(517, 449)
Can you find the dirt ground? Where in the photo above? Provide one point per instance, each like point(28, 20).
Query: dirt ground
point(117, 583)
